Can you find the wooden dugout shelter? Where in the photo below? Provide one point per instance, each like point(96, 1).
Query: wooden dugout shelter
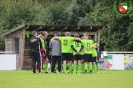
point(17, 42)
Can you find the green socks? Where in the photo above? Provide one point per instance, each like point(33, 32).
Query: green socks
point(46, 66)
point(82, 67)
point(85, 66)
point(75, 69)
point(70, 68)
point(90, 66)
point(94, 69)
point(56, 66)
point(97, 67)
point(79, 68)
point(64, 68)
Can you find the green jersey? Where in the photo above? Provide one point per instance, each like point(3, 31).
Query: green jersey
point(94, 51)
point(42, 42)
point(66, 44)
point(77, 46)
point(87, 43)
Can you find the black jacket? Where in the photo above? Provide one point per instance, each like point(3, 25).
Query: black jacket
point(35, 43)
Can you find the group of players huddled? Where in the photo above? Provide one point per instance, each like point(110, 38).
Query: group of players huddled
point(77, 54)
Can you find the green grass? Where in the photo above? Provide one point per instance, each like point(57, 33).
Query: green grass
point(105, 79)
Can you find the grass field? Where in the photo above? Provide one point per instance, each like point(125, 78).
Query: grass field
point(105, 79)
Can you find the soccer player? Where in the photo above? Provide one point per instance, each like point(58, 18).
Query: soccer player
point(82, 60)
point(87, 52)
point(97, 60)
point(55, 47)
point(66, 50)
point(46, 52)
point(94, 57)
point(43, 49)
point(35, 51)
point(77, 48)
point(40, 36)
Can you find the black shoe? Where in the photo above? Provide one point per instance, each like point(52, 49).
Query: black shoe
point(90, 72)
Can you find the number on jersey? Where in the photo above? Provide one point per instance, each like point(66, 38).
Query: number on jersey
point(77, 44)
point(88, 44)
point(65, 42)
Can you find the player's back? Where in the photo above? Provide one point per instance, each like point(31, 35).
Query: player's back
point(87, 43)
point(77, 45)
point(66, 44)
point(35, 43)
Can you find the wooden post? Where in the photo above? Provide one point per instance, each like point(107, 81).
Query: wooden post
point(95, 36)
point(22, 46)
point(20, 51)
point(98, 39)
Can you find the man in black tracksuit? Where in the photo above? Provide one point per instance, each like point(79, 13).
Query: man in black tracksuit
point(35, 51)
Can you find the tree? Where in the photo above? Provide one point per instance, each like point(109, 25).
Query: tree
point(56, 14)
point(17, 12)
point(116, 37)
point(78, 9)
point(22, 12)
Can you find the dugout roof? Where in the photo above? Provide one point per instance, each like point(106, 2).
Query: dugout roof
point(71, 28)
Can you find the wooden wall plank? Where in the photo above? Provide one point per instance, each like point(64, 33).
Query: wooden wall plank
point(16, 34)
point(8, 44)
point(13, 36)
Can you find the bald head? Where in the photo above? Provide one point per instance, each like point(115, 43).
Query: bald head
point(67, 34)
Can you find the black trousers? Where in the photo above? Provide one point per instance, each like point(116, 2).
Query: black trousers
point(53, 60)
point(36, 55)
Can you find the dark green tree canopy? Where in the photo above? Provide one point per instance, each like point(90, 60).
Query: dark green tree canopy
point(117, 37)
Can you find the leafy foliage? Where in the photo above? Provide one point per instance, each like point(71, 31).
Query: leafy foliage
point(118, 35)
point(17, 12)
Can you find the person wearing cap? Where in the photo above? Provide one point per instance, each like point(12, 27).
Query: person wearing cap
point(55, 47)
